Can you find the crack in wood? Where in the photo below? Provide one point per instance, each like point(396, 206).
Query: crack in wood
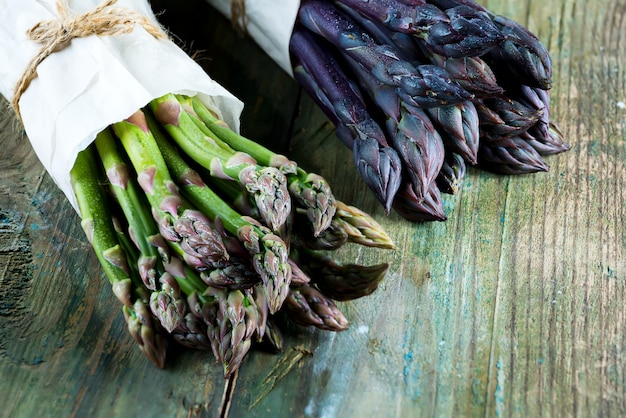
point(15, 278)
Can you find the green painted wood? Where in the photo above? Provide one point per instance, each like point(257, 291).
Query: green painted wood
point(512, 307)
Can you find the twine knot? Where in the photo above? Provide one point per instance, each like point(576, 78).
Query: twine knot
point(56, 34)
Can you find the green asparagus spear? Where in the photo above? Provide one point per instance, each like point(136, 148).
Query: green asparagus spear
point(133, 204)
point(308, 306)
point(339, 281)
point(361, 227)
point(309, 190)
point(268, 251)
point(101, 233)
point(98, 227)
point(179, 222)
point(267, 184)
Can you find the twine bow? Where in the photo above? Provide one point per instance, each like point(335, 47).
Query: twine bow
point(57, 34)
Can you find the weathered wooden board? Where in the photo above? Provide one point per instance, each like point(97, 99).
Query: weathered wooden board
point(512, 307)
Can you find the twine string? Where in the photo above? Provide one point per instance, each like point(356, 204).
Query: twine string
point(56, 34)
point(238, 15)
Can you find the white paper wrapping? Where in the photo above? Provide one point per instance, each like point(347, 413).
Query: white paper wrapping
point(270, 24)
point(94, 82)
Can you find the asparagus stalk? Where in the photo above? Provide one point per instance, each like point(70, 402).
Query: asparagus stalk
point(133, 204)
point(184, 227)
point(240, 199)
point(511, 155)
point(273, 340)
point(192, 333)
point(231, 319)
point(97, 225)
point(307, 306)
point(459, 127)
point(410, 130)
point(345, 131)
point(521, 55)
point(417, 136)
point(268, 251)
point(263, 308)
point(234, 275)
point(333, 238)
point(342, 282)
point(361, 228)
point(471, 73)
point(404, 44)
point(350, 224)
point(451, 174)
point(236, 323)
point(377, 163)
point(415, 210)
point(298, 276)
point(165, 301)
point(309, 190)
point(545, 136)
point(503, 116)
point(427, 85)
point(454, 32)
point(546, 143)
point(149, 334)
point(267, 184)
point(146, 332)
point(237, 142)
point(99, 229)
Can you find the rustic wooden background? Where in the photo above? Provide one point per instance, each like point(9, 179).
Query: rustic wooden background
point(512, 307)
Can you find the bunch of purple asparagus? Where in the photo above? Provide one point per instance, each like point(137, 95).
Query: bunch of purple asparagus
point(206, 236)
point(419, 89)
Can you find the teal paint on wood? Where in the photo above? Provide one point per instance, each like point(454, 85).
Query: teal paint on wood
point(512, 307)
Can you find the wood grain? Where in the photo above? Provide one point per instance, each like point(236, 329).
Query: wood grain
point(512, 307)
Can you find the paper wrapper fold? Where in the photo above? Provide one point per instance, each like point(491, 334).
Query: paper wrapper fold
point(270, 24)
point(94, 82)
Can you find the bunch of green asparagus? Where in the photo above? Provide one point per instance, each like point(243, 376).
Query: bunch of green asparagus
point(418, 89)
point(207, 236)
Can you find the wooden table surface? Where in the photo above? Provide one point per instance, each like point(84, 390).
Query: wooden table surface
point(512, 307)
